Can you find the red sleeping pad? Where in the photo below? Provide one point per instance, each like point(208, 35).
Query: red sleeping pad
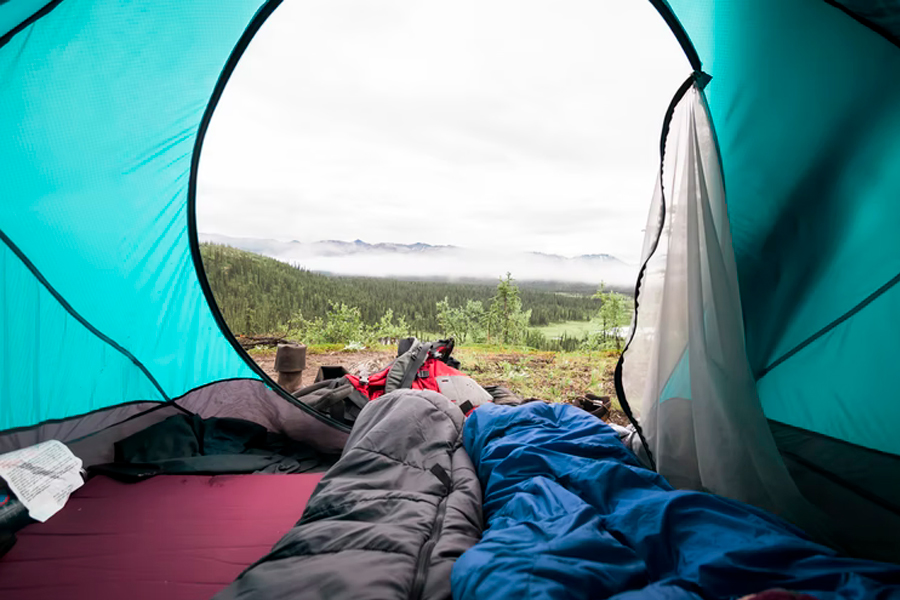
point(172, 537)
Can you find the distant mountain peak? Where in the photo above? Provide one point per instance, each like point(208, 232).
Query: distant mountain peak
point(598, 257)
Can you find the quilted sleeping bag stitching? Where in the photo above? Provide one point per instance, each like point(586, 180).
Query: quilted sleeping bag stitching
point(570, 513)
point(388, 520)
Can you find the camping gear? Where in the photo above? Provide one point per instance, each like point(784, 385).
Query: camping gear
point(389, 519)
point(290, 362)
point(571, 513)
point(13, 514)
point(766, 320)
point(419, 366)
point(13, 517)
point(425, 366)
point(176, 537)
point(187, 444)
point(594, 404)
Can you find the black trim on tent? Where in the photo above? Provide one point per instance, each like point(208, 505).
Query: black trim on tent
point(40, 13)
point(206, 385)
point(823, 437)
point(828, 455)
point(882, 31)
point(668, 15)
point(700, 79)
point(68, 308)
point(868, 300)
point(173, 402)
point(158, 403)
point(661, 6)
point(258, 19)
point(838, 480)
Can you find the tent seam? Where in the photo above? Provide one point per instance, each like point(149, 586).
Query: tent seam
point(837, 479)
point(159, 404)
point(835, 323)
point(43, 11)
point(883, 32)
point(173, 402)
point(77, 316)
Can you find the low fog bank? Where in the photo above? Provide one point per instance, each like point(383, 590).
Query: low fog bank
point(422, 261)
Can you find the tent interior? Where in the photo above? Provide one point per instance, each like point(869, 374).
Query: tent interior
point(760, 365)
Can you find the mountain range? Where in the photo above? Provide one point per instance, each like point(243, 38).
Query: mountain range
point(435, 262)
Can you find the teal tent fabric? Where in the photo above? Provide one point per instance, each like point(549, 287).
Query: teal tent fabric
point(806, 105)
point(13, 13)
point(57, 357)
point(101, 104)
point(881, 15)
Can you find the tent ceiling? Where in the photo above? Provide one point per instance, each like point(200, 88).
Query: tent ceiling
point(881, 15)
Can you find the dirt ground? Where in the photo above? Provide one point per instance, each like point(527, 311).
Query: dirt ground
point(355, 362)
point(548, 376)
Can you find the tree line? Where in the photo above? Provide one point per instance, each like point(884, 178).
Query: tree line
point(257, 294)
point(504, 321)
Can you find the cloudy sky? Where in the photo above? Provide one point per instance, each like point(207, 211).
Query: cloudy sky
point(518, 124)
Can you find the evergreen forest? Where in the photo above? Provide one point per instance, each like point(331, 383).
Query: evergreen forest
point(260, 295)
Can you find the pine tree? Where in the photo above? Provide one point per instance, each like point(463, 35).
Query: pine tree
point(505, 317)
point(615, 313)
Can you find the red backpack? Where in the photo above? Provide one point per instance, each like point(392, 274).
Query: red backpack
point(419, 366)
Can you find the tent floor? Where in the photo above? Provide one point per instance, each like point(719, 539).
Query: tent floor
point(173, 537)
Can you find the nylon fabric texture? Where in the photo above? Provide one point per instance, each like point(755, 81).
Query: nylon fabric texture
point(570, 513)
point(686, 370)
point(806, 106)
point(881, 14)
point(50, 364)
point(15, 12)
point(101, 105)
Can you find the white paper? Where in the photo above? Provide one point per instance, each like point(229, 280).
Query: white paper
point(42, 477)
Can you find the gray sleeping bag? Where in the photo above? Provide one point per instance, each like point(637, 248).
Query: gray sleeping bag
point(388, 520)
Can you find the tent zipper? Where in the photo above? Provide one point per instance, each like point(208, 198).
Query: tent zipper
point(424, 559)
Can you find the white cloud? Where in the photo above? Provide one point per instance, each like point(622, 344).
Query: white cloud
point(517, 124)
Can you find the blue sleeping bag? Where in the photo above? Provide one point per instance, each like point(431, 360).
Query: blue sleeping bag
point(570, 513)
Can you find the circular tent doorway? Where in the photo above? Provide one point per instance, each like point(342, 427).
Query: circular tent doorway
point(329, 65)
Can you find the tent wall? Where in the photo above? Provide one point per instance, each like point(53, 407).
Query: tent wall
point(686, 366)
point(74, 428)
point(806, 105)
point(781, 313)
point(92, 436)
point(15, 13)
point(881, 15)
point(101, 103)
point(252, 400)
point(868, 474)
point(686, 369)
point(51, 364)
